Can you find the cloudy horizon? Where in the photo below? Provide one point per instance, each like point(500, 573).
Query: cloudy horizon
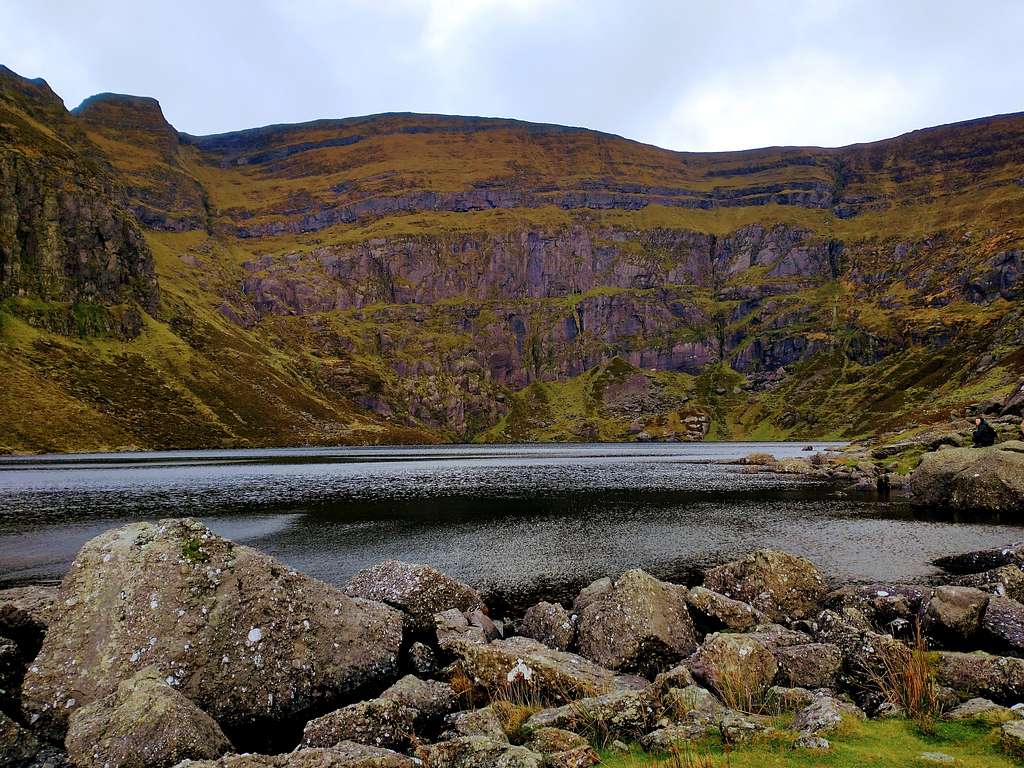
point(716, 76)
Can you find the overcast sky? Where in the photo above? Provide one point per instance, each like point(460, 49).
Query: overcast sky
point(683, 75)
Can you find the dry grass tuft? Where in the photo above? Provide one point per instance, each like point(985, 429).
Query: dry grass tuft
point(682, 756)
point(907, 681)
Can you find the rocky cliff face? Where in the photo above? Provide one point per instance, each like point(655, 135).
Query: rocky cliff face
point(426, 277)
point(64, 237)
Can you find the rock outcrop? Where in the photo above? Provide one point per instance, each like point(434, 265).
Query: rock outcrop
point(637, 624)
point(971, 479)
point(419, 591)
point(781, 586)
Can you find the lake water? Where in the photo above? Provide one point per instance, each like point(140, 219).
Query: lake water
point(516, 521)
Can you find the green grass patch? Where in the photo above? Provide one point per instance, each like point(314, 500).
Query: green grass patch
point(874, 744)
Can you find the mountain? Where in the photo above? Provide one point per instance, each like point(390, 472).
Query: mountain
point(428, 278)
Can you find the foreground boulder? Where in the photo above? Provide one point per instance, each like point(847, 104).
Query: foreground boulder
point(780, 585)
point(246, 638)
point(971, 479)
point(419, 591)
point(478, 752)
point(984, 710)
point(811, 665)
point(379, 722)
point(1002, 626)
point(431, 699)
point(1007, 580)
point(953, 615)
point(347, 754)
point(637, 624)
point(552, 675)
point(144, 724)
point(625, 715)
point(739, 667)
point(549, 623)
point(823, 715)
point(972, 675)
point(474, 722)
point(889, 607)
point(713, 611)
point(562, 749)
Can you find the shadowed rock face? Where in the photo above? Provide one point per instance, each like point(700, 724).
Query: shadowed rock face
point(247, 639)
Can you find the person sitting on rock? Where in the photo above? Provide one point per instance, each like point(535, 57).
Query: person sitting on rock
point(983, 435)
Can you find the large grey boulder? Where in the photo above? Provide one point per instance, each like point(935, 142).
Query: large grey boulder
point(1006, 580)
point(550, 624)
point(739, 667)
point(982, 559)
point(383, 723)
point(639, 625)
point(953, 615)
point(347, 754)
point(985, 710)
point(886, 606)
point(552, 675)
point(562, 749)
point(474, 722)
point(978, 674)
point(478, 752)
point(625, 715)
point(823, 715)
point(431, 699)
point(971, 479)
point(864, 650)
point(713, 612)
point(1002, 626)
point(810, 665)
point(245, 637)
point(780, 585)
point(1011, 736)
point(145, 723)
point(419, 591)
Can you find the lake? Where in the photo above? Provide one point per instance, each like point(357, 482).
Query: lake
point(517, 521)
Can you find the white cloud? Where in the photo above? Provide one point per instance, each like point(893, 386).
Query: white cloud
point(802, 99)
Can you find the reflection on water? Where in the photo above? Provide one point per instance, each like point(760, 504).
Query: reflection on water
point(517, 521)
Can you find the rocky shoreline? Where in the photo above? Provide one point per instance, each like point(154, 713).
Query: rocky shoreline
point(166, 643)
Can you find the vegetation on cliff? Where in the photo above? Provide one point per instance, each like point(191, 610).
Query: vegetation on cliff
point(419, 278)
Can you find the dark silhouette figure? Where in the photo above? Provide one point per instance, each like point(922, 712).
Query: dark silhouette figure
point(984, 435)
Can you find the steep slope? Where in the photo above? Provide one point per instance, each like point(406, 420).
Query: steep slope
point(418, 277)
